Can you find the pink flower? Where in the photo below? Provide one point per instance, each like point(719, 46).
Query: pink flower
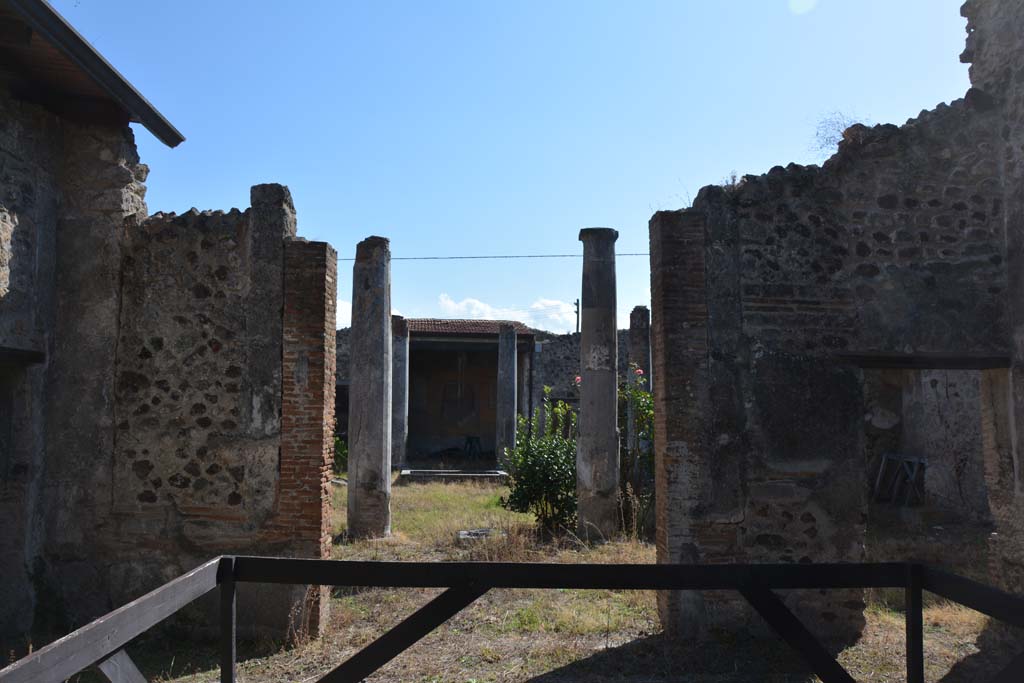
point(578, 379)
point(639, 371)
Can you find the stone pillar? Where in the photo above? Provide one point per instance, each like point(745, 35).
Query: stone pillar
point(597, 454)
point(640, 356)
point(525, 370)
point(505, 431)
point(369, 412)
point(399, 389)
point(537, 385)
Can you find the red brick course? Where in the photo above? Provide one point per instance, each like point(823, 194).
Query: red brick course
point(307, 416)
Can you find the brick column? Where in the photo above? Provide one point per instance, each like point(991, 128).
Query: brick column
point(307, 414)
point(369, 403)
point(679, 349)
point(506, 404)
point(597, 455)
point(399, 389)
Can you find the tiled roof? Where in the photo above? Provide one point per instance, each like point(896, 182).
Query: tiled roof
point(450, 327)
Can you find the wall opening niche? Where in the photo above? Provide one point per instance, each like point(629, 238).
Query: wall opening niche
point(935, 436)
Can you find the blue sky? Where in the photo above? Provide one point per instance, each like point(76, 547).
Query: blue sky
point(483, 127)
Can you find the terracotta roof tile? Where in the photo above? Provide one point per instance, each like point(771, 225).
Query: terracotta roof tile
point(453, 327)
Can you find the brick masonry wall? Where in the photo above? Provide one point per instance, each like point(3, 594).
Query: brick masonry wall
point(307, 428)
point(679, 347)
point(896, 245)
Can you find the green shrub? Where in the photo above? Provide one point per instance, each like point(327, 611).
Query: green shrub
point(542, 466)
point(340, 456)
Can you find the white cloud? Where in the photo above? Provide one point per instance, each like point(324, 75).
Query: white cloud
point(555, 311)
point(472, 308)
point(802, 6)
point(545, 314)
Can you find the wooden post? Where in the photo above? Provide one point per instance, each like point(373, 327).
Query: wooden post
point(915, 625)
point(227, 620)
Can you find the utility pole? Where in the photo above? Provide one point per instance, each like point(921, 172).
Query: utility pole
point(577, 316)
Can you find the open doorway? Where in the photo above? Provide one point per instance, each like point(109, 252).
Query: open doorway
point(933, 437)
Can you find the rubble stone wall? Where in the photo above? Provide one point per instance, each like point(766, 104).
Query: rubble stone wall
point(145, 370)
point(31, 149)
point(995, 51)
point(223, 416)
point(67, 192)
point(764, 296)
point(102, 190)
point(558, 364)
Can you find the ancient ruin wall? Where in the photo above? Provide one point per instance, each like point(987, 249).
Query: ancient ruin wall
point(223, 412)
point(942, 421)
point(558, 364)
point(159, 403)
point(67, 191)
point(102, 192)
point(302, 525)
point(30, 158)
point(995, 51)
point(31, 155)
point(895, 246)
point(196, 432)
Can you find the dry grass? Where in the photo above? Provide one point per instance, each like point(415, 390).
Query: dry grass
point(561, 635)
point(426, 519)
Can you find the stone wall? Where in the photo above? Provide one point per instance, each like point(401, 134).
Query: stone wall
point(557, 365)
point(995, 51)
point(31, 149)
point(941, 421)
point(769, 294)
point(68, 191)
point(344, 353)
point(159, 403)
point(223, 419)
point(185, 340)
point(103, 195)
